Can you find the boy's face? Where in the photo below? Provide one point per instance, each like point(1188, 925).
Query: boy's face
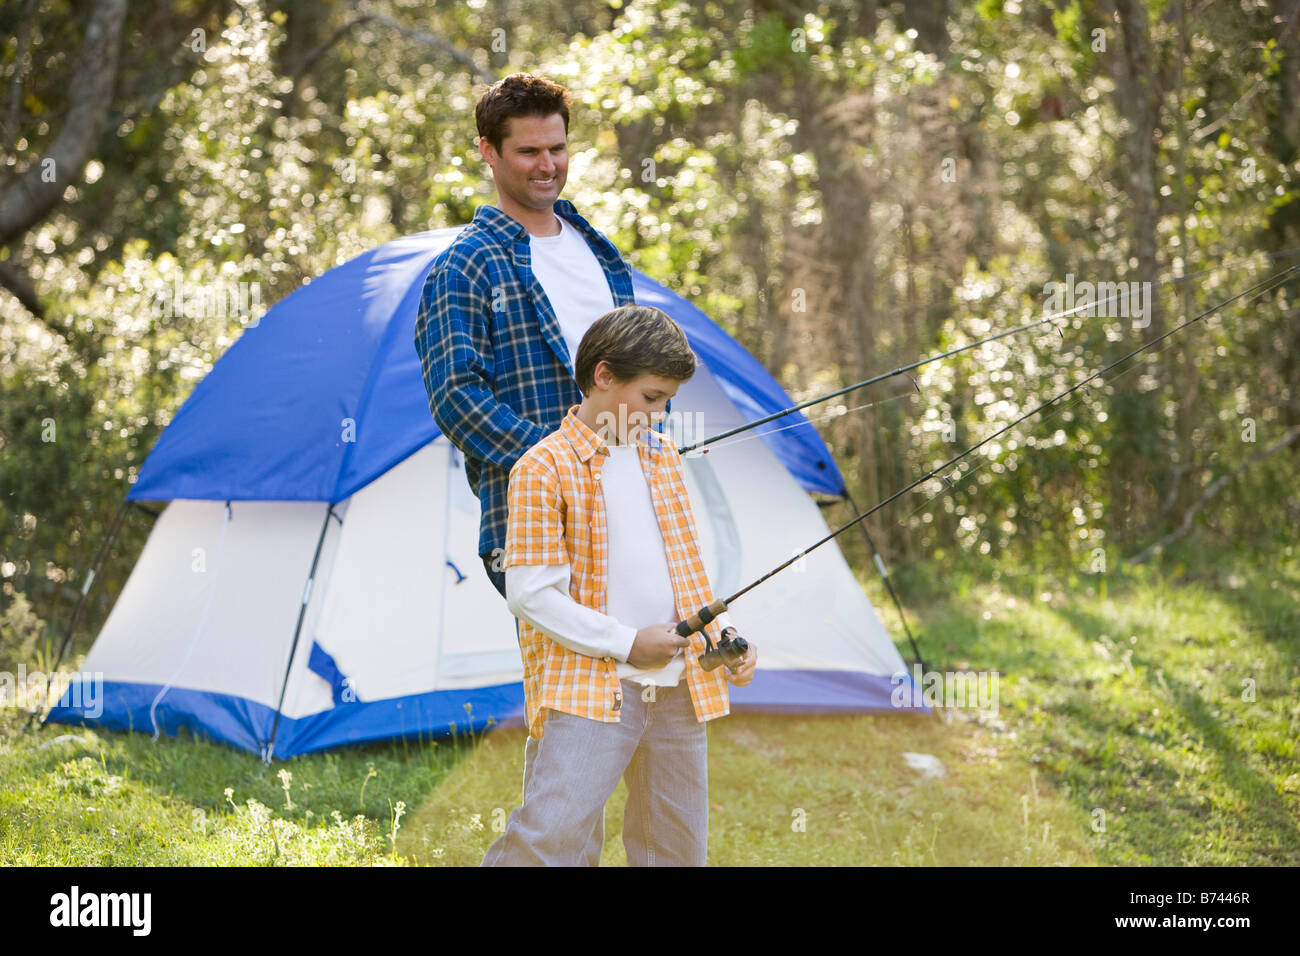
point(628, 408)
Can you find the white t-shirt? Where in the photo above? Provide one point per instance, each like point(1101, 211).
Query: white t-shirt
point(573, 281)
point(640, 588)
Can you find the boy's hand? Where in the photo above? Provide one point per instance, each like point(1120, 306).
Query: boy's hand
point(745, 672)
point(655, 646)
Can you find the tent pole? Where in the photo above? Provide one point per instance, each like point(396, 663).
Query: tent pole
point(297, 631)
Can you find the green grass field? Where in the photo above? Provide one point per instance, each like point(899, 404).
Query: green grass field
point(1149, 718)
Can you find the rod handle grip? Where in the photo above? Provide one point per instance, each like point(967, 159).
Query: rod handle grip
point(701, 618)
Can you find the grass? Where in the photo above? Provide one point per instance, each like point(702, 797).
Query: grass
point(1163, 704)
point(1148, 718)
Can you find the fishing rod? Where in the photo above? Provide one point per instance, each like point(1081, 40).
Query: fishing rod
point(903, 369)
point(730, 650)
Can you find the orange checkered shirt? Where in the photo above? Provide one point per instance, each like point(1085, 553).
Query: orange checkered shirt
point(557, 516)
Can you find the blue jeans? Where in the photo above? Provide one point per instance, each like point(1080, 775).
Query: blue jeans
point(657, 746)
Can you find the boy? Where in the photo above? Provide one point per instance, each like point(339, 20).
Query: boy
point(601, 561)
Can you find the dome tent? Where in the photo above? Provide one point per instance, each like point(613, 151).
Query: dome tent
point(313, 579)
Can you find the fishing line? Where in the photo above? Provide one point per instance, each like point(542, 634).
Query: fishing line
point(951, 483)
point(806, 421)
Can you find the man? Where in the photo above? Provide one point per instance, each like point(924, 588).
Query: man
point(504, 307)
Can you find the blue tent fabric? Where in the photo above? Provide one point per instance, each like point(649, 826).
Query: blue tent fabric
point(324, 394)
point(323, 665)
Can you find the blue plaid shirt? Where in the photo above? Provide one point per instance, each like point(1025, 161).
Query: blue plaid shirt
point(495, 363)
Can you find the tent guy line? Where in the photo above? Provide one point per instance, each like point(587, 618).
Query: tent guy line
point(889, 584)
point(686, 450)
point(698, 620)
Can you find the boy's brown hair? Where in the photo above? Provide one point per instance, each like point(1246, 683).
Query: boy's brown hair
point(634, 340)
point(519, 94)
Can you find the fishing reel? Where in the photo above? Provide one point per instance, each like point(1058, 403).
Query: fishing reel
point(730, 650)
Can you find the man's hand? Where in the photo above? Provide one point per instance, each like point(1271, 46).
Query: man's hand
point(745, 672)
point(655, 646)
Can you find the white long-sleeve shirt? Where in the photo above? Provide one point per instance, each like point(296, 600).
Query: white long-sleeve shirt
point(640, 589)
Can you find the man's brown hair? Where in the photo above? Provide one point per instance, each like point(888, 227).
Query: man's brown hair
point(519, 94)
point(634, 340)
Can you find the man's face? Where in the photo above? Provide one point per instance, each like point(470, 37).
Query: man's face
point(534, 160)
